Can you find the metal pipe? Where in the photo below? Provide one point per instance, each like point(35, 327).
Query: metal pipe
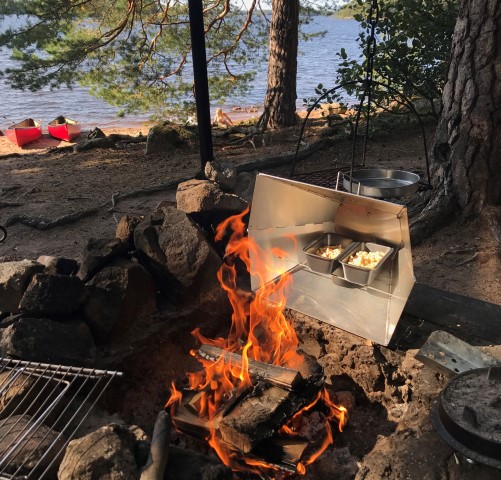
point(201, 81)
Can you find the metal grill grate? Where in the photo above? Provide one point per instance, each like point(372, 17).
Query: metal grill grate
point(43, 406)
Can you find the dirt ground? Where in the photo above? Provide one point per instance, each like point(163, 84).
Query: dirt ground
point(42, 181)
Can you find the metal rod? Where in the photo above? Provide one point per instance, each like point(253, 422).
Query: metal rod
point(201, 81)
point(62, 368)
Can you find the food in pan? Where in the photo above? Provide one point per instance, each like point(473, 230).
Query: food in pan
point(365, 259)
point(329, 251)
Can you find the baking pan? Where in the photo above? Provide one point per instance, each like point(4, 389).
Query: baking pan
point(381, 183)
point(361, 275)
point(321, 264)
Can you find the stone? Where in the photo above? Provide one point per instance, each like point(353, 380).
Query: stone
point(407, 454)
point(182, 260)
point(48, 341)
point(188, 465)
point(32, 449)
point(125, 229)
point(14, 279)
point(205, 196)
point(244, 187)
point(106, 454)
point(99, 252)
point(53, 295)
point(58, 265)
point(221, 173)
point(14, 391)
point(165, 137)
point(119, 294)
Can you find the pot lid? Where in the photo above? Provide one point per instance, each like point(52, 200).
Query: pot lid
point(467, 415)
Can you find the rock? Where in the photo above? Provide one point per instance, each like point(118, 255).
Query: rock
point(58, 265)
point(99, 252)
point(182, 260)
point(14, 278)
point(205, 196)
point(222, 173)
point(119, 294)
point(125, 229)
point(244, 187)
point(188, 465)
point(15, 391)
point(94, 143)
point(163, 138)
point(407, 454)
point(53, 295)
point(106, 454)
point(43, 340)
point(335, 463)
point(21, 394)
point(33, 447)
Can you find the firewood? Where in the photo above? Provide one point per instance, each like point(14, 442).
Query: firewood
point(259, 416)
point(272, 374)
point(186, 419)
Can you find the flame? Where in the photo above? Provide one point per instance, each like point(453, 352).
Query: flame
point(175, 397)
point(259, 331)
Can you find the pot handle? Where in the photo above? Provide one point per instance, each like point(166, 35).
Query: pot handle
point(348, 178)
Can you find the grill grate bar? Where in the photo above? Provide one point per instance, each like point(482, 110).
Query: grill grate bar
point(55, 399)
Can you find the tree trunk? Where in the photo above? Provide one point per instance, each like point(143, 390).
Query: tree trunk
point(280, 102)
point(466, 164)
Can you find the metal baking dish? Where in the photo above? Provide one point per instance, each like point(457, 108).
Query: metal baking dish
point(360, 275)
point(321, 264)
point(381, 183)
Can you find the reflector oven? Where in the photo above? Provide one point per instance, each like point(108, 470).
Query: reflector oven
point(287, 216)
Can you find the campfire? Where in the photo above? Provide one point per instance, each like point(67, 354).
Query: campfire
point(256, 390)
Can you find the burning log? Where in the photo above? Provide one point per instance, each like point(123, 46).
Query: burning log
point(265, 372)
point(258, 417)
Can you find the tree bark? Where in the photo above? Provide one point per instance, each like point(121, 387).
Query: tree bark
point(280, 101)
point(466, 163)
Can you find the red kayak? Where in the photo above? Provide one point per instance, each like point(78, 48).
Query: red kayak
point(64, 129)
point(24, 132)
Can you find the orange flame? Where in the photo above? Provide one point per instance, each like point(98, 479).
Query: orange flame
point(259, 331)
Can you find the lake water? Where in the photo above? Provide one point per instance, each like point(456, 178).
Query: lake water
point(317, 63)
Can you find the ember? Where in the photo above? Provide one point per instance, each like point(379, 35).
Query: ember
point(255, 387)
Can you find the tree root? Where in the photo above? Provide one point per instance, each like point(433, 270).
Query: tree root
point(287, 158)
point(468, 260)
point(10, 204)
point(46, 224)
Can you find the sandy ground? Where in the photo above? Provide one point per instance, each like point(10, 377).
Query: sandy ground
point(461, 257)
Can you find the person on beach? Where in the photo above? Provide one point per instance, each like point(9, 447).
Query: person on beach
point(222, 118)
